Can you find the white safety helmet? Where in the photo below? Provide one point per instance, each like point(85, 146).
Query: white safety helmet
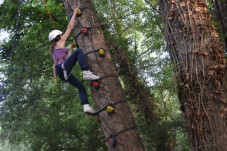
point(53, 34)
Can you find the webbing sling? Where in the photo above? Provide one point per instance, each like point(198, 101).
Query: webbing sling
point(64, 71)
point(66, 77)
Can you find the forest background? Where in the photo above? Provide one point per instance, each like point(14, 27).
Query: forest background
point(36, 114)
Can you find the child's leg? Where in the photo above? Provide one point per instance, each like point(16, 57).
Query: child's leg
point(82, 91)
point(79, 56)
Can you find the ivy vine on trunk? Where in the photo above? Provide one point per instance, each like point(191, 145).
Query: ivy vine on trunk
point(200, 70)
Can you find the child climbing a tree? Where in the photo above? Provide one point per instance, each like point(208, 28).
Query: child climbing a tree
point(65, 61)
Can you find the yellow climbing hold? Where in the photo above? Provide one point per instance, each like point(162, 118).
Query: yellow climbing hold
point(61, 6)
point(78, 13)
point(101, 51)
point(109, 109)
point(74, 44)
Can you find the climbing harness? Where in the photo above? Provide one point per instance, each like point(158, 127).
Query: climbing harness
point(112, 139)
point(66, 76)
point(64, 71)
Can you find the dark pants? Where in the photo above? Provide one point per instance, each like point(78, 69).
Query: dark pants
point(78, 55)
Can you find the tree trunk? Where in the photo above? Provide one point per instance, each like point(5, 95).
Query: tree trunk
point(110, 90)
point(220, 7)
point(200, 71)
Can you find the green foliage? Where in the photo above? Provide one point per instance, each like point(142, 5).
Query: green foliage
point(36, 111)
point(6, 146)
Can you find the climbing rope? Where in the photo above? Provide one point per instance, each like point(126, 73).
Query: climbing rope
point(16, 27)
point(48, 12)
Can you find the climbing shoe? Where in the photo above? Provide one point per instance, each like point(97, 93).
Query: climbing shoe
point(88, 110)
point(88, 75)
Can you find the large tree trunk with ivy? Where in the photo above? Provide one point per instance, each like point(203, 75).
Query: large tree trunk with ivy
point(220, 7)
point(111, 90)
point(200, 71)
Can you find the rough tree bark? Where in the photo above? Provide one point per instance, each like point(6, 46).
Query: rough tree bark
point(220, 7)
point(200, 71)
point(111, 90)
